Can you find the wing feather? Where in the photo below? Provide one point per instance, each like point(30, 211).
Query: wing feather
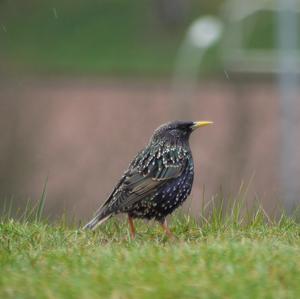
point(143, 179)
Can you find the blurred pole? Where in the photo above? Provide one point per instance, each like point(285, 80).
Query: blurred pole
point(204, 32)
point(289, 103)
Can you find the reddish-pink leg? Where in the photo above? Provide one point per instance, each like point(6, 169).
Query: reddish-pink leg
point(131, 228)
point(166, 229)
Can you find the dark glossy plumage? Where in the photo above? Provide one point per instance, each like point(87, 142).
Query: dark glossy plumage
point(158, 180)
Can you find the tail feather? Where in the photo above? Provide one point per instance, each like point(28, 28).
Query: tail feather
point(96, 221)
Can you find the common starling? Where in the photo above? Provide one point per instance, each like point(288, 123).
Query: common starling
point(157, 181)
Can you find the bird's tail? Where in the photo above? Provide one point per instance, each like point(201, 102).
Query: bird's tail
point(97, 220)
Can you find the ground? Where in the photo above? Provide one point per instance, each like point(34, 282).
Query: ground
point(209, 259)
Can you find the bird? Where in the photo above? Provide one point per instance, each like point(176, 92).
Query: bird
point(158, 180)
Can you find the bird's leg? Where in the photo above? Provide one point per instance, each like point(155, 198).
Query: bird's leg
point(131, 228)
point(166, 229)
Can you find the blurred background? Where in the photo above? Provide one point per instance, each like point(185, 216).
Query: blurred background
point(83, 84)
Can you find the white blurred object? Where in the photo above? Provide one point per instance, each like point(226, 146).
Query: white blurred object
point(288, 35)
point(240, 18)
point(283, 61)
point(204, 32)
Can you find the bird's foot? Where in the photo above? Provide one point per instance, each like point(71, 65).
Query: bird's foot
point(131, 228)
point(167, 231)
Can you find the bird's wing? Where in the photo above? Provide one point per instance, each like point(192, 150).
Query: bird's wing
point(144, 177)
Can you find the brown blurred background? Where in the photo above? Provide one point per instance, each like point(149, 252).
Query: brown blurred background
point(83, 87)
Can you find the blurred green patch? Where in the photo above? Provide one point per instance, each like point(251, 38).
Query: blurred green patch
point(108, 37)
point(98, 37)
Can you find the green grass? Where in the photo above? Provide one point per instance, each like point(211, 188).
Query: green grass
point(222, 255)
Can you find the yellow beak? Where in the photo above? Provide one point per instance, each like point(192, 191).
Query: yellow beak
point(198, 124)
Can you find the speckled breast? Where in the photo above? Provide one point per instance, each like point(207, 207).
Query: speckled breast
point(167, 198)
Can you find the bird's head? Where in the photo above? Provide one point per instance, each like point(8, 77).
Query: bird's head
point(177, 131)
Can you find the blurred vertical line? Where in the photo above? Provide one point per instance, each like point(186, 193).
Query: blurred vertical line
point(185, 78)
point(289, 103)
point(202, 34)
